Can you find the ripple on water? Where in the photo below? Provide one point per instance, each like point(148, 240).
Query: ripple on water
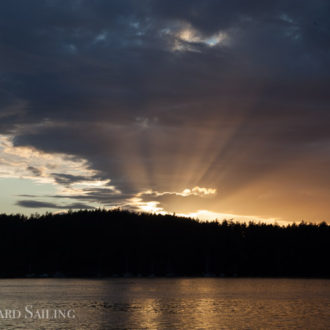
point(171, 303)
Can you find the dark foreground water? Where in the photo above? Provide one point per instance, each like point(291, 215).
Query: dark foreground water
point(179, 303)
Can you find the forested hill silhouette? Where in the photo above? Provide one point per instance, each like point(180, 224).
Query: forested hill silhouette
point(121, 243)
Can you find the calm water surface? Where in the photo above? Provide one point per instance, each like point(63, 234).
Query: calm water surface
point(210, 303)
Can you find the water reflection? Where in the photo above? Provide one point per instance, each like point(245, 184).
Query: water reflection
point(171, 303)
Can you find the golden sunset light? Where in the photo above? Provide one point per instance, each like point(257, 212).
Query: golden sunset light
point(164, 164)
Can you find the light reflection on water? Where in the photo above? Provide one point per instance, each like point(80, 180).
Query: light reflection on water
point(176, 303)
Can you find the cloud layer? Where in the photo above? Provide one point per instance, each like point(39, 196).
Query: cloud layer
point(165, 96)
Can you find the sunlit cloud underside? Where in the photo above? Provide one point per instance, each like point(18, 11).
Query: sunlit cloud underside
point(70, 179)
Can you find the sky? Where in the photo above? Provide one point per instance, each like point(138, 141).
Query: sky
point(211, 109)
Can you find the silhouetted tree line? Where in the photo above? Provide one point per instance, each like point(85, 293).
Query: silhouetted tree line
point(122, 243)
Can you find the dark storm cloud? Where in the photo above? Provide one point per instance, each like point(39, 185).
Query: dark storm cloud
point(34, 170)
point(113, 82)
point(68, 179)
point(73, 72)
point(104, 196)
point(39, 204)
